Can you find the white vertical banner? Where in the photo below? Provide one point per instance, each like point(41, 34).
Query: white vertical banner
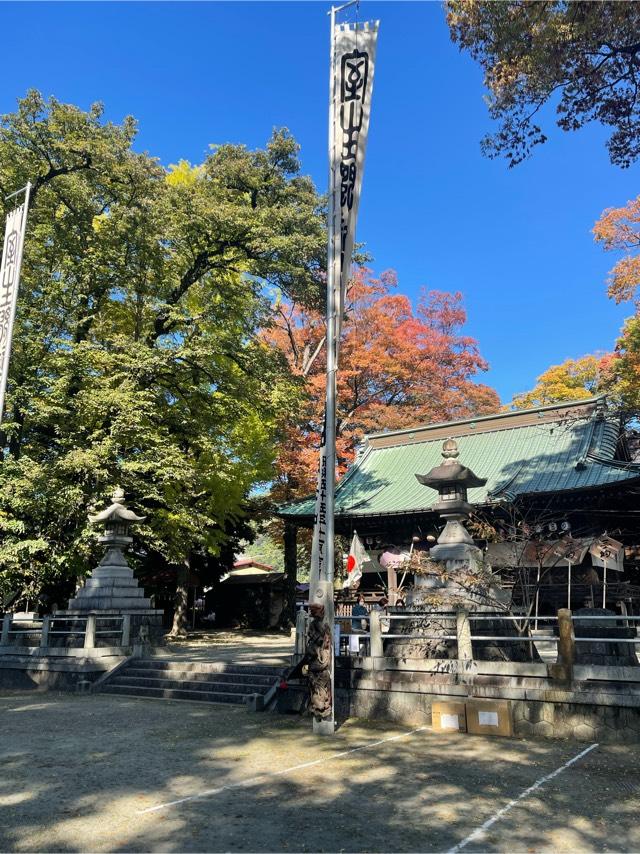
point(353, 67)
point(319, 541)
point(9, 281)
point(351, 85)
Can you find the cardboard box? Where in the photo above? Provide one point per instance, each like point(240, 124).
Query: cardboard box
point(448, 717)
point(489, 717)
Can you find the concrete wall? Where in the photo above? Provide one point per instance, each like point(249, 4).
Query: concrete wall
point(63, 672)
point(597, 703)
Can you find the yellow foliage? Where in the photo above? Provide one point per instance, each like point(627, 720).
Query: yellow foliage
point(574, 379)
point(98, 222)
point(183, 174)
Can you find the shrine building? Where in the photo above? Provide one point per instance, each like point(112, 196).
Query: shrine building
point(554, 474)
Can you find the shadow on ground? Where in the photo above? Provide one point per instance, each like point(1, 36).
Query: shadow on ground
point(78, 773)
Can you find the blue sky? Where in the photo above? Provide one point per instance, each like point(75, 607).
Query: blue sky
point(516, 242)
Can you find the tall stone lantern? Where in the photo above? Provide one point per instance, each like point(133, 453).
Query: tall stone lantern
point(453, 578)
point(112, 590)
point(452, 481)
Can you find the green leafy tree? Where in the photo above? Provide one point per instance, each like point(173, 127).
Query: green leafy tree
point(584, 57)
point(137, 358)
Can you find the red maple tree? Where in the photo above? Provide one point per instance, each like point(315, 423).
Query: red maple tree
point(400, 366)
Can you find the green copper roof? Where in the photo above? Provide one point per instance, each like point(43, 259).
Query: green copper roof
point(550, 449)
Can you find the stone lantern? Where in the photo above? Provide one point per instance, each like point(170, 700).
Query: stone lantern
point(458, 581)
point(452, 482)
point(117, 521)
point(112, 590)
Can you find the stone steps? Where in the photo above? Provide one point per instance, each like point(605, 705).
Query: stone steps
point(206, 666)
point(174, 694)
point(221, 677)
point(209, 682)
point(194, 685)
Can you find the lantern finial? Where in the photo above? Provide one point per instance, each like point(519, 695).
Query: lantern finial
point(450, 449)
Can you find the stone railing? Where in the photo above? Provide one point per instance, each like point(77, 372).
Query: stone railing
point(66, 632)
point(566, 640)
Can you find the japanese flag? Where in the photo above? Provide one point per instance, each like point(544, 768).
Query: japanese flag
point(357, 557)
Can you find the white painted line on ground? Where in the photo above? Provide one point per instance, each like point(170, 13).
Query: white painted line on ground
point(480, 831)
point(255, 781)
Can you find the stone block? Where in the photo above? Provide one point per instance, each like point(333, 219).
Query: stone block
point(254, 702)
point(584, 732)
point(548, 712)
point(543, 728)
point(523, 728)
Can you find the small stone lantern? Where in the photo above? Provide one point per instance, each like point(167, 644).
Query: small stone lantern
point(452, 482)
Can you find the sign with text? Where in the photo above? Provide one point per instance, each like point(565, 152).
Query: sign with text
point(353, 66)
point(9, 281)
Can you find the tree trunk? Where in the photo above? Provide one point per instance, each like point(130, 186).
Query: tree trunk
point(288, 616)
point(179, 628)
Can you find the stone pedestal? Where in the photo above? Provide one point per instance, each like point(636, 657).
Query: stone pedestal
point(458, 583)
point(111, 587)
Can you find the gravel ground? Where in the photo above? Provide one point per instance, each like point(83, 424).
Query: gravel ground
point(78, 773)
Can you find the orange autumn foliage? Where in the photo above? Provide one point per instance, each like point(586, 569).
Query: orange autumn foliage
point(400, 365)
point(619, 229)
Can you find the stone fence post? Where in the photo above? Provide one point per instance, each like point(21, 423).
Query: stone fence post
point(566, 638)
point(463, 634)
point(301, 632)
point(90, 632)
point(44, 635)
point(126, 630)
point(375, 635)
point(6, 626)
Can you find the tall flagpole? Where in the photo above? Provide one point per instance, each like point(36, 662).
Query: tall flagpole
point(352, 56)
point(333, 276)
point(327, 726)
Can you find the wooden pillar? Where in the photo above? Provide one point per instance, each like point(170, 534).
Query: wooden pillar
point(288, 617)
point(392, 585)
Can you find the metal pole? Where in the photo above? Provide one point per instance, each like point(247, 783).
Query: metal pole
point(26, 189)
point(604, 585)
point(327, 726)
point(332, 256)
point(569, 589)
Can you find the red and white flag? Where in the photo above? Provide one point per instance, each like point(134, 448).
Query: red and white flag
point(357, 558)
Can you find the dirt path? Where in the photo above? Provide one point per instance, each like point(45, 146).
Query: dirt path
point(238, 646)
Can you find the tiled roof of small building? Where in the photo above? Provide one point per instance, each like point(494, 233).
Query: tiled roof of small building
point(558, 448)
